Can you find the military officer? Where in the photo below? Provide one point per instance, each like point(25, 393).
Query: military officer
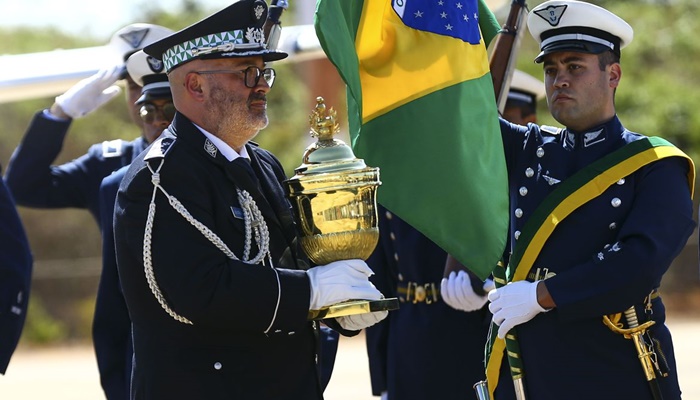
point(214, 283)
point(112, 325)
point(427, 348)
point(15, 276)
point(31, 178)
point(598, 214)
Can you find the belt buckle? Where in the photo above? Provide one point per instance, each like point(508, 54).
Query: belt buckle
point(422, 293)
point(419, 293)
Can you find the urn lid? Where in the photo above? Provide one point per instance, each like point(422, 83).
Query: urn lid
point(327, 154)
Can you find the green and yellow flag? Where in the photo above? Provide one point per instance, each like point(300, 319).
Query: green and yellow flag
point(421, 107)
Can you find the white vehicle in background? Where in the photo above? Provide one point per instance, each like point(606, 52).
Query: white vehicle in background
point(26, 76)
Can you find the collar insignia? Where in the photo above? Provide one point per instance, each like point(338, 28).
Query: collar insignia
point(592, 138)
point(210, 148)
point(570, 139)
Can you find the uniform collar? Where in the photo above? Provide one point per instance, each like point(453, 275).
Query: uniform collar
point(593, 136)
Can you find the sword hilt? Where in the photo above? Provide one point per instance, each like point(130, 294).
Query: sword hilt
point(636, 332)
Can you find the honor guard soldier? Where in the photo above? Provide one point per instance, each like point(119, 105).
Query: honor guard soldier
point(111, 325)
point(598, 214)
point(216, 287)
point(15, 276)
point(34, 181)
point(430, 347)
point(521, 104)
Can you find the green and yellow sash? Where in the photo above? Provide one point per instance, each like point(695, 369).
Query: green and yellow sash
point(571, 194)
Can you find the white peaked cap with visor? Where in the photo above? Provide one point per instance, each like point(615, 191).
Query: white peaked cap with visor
point(149, 73)
point(570, 25)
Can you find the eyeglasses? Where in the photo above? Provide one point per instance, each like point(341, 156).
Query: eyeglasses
point(252, 75)
point(149, 112)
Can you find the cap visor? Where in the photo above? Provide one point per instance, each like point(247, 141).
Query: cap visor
point(575, 46)
point(161, 93)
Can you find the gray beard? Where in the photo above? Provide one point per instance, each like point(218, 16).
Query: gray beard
point(234, 121)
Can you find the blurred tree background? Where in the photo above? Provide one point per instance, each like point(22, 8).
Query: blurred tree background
point(658, 96)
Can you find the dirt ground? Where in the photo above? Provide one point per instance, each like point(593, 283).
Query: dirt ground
point(70, 373)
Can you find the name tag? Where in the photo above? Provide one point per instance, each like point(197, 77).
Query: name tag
point(237, 212)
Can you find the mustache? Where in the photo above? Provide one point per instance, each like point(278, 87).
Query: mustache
point(257, 97)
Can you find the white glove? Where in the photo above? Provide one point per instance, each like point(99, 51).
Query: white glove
point(456, 290)
point(340, 281)
point(90, 93)
point(361, 321)
point(514, 304)
point(385, 395)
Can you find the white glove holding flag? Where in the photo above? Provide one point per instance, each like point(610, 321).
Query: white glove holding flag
point(90, 93)
point(514, 304)
point(457, 292)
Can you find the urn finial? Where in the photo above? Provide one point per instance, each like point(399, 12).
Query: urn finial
point(323, 121)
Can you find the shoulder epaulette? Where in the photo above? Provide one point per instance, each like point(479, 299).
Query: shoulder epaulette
point(112, 148)
point(550, 130)
point(159, 148)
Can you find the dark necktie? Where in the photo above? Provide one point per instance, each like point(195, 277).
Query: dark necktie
point(244, 163)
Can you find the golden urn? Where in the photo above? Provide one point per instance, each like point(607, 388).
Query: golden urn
point(334, 195)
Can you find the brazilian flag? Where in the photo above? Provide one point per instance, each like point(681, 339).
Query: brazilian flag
point(422, 108)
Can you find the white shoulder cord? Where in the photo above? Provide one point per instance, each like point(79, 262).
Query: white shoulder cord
point(253, 221)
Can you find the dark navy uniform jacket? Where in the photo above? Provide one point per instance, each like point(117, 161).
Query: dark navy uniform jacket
point(111, 327)
point(225, 353)
point(15, 276)
point(606, 256)
point(426, 349)
point(35, 182)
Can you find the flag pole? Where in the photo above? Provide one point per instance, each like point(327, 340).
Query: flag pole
point(505, 48)
point(273, 24)
point(502, 64)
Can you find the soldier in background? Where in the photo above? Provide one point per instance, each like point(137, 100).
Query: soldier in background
point(36, 183)
point(112, 326)
point(430, 347)
point(31, 177)
point(15, 276)
point(521, 105)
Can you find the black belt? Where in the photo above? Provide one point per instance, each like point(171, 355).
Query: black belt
point(418, 292)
